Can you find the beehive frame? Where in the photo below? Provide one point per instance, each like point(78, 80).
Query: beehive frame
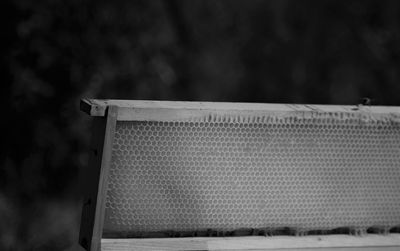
point(107, 112)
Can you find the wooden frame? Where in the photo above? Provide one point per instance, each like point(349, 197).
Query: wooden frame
point(106, 113)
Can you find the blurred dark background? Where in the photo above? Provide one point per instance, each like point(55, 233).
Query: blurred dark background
point(55, 52)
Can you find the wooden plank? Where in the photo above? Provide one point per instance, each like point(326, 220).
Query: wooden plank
point(146, 110)
point(322, 242)
point(93, 209)
point(191, 115)
point(102, 103)
point(90, 180)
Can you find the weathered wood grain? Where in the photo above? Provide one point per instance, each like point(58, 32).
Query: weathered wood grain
point(146, 110)
point(325, 242)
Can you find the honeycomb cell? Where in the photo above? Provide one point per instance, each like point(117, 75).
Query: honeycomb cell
point(312, 174)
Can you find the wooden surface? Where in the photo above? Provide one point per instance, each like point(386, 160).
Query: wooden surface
point(112, 114)
point(91, 181)
point(146, 110)
point(93, 208)
point(323, 242)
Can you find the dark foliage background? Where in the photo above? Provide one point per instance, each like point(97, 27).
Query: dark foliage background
point(54, 52)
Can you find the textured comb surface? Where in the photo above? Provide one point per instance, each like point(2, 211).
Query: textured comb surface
point(305, 173)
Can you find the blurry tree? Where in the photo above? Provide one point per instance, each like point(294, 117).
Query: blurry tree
point(55, 52)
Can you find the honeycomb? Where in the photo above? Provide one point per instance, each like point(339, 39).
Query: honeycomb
point(307, 173)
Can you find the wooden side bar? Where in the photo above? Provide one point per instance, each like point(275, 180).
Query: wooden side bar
point(96, 180)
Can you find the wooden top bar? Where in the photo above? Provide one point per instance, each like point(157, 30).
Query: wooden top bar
point(175, 110)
